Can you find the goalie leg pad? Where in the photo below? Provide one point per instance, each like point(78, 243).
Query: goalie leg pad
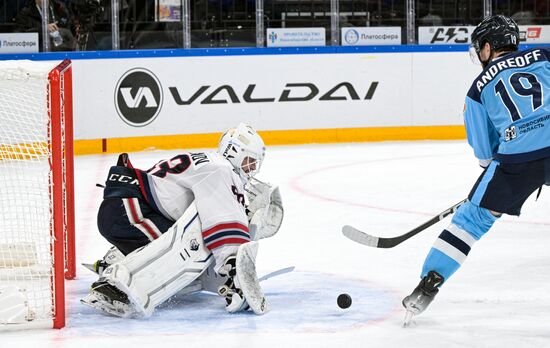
point(247, 280)
point(113, 255)
point(152, 274)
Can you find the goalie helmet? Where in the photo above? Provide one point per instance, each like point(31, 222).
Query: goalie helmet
point(244, 148)
point(499, 31)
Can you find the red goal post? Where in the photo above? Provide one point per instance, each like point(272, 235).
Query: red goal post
point(37, 242)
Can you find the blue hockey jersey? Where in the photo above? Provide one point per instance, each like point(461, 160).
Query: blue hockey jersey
point(507, 109)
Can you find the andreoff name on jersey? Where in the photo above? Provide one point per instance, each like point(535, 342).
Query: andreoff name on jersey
point(513, 62)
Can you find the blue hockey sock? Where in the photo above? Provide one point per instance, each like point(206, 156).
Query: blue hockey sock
point(451, 248)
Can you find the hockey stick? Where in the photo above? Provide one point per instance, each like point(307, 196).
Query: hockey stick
point(276, 273)
point(261, 279)
point(381, 242)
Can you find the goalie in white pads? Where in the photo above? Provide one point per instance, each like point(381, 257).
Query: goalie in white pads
point(220, 211)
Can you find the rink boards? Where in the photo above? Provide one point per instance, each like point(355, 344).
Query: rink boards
point(175, 102)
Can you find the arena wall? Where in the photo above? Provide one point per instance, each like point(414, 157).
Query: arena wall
point(126, 102)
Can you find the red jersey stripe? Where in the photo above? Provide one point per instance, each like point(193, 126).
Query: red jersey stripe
point(150, 230)
point(226, 241)
point(231, 225)
point(132, 204)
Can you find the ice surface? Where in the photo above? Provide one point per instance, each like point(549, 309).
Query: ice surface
point(499, 298)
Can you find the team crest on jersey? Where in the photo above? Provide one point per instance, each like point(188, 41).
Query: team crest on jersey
point(194, 245)
point(510, 133)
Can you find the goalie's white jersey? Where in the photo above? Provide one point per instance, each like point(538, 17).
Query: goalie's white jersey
point(209, 180)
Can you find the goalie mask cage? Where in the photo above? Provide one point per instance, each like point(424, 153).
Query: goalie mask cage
point(36, 193)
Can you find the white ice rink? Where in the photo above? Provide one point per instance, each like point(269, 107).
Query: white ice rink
point(499, 298)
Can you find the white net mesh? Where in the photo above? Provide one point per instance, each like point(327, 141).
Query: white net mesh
point(25, 177)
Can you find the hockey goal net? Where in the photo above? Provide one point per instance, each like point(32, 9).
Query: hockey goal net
point(36, 192)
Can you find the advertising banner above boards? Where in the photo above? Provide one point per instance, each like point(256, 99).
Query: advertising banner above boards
point(168, 10)
point(197, 95)
point(363, 36)
point(534, 33)
point(530, 34)
point(18, 43)
point(444, 35)
point(293, 37)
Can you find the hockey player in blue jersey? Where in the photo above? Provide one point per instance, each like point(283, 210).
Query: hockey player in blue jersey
point(507, 119)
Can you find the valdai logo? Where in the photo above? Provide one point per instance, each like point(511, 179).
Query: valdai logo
point(134, 102)
point(292, 92)
point(138, 97)
point(139, 94)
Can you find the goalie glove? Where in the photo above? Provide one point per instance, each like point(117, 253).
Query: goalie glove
point(258, 194)
point(234, 297)
point(267, 221)
point(242, 290)
point(265, 210)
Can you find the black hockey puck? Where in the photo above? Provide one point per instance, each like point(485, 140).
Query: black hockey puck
point(344, 301)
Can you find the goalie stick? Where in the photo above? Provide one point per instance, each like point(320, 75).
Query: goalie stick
point(381, 242)
point(276, 273)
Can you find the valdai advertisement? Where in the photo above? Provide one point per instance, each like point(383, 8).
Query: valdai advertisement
point(188, 95)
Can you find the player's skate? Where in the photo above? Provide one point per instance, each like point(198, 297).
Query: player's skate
point(242, 290)
point(422, 296)
point(109, 299)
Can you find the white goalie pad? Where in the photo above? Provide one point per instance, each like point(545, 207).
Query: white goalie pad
point(266, 209)
point(113, 255)
point(152, 274)
point(247, 279)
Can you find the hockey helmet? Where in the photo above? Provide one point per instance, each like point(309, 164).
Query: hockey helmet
point(244, 148)
point(499, 31)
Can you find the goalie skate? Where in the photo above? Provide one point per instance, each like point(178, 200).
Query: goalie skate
point(247, 280)
point(108, 299)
